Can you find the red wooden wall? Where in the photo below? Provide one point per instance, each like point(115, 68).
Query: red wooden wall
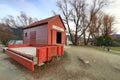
point(45, 34)
point(52, 37)
point(41, 35)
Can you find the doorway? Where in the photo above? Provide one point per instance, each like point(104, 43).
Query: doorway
point(58, 38)
point(33, 37)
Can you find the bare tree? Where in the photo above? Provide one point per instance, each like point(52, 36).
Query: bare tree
point(5, 34)
point(24, 19)
point(93, 29)
point(102, 25)
point(14, 26)
point(66, 11)
point(108, 22)
point(74, 12)
point(20, 21)
point(82, 15)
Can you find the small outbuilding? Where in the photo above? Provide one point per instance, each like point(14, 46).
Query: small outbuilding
point(50, 31)
point(42, 40)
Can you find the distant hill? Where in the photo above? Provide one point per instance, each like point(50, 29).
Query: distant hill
point(17, 31)
point(116, 35)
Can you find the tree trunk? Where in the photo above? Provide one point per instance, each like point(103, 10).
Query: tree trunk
point(88, 38)
point(84, 35)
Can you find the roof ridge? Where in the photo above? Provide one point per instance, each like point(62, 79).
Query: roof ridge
point(46, 20)
point(50, 17)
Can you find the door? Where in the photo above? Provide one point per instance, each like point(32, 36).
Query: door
point(58, 37)
point(33, 37)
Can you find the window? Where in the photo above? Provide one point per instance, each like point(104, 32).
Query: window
point(25, 34)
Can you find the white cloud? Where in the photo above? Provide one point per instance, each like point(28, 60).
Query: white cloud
point(29, 8)
point(37, 8)
point(15, 6)
point(7, 10)
point(114, 10)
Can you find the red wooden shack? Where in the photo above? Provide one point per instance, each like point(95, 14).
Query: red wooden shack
point(48, 31)
point(42, 40)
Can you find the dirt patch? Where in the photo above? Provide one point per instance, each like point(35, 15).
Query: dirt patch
point(83, 62)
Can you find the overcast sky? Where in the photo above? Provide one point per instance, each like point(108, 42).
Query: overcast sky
point(43, 9)
point(114, 10)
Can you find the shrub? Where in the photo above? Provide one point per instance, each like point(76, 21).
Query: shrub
point(103, 40)
point(115, 43)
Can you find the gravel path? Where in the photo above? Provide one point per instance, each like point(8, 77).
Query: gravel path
point(102, 66)
point(87, 64)
point(80, 64)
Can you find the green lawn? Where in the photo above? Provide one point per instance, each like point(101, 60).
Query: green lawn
point(115, 48)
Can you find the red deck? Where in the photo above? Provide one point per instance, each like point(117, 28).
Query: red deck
point(26, 50)
point(22, 60)
point(29, 56)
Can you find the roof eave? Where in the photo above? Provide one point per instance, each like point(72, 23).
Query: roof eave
point(35, 25)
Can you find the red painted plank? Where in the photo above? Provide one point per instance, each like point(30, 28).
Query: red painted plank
point(60, 50)
point(41, 54)
point(17, 45)
point(51, 51)
point(22, 54)
point(24, 61)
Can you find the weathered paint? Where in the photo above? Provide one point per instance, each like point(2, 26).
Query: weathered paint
point(40, 34)
point(45, 33)
point(22, 60)
point(17, 45)
point(52, 37)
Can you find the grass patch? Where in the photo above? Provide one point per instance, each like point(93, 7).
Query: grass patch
point(115, 48)
point(1, 51)
point(115, 53)
point(65, 56)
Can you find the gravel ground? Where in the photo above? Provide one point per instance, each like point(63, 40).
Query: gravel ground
point(102, 66)
point(79, 64)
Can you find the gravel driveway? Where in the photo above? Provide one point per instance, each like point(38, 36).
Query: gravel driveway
point(80, 64)
point(101, 65)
